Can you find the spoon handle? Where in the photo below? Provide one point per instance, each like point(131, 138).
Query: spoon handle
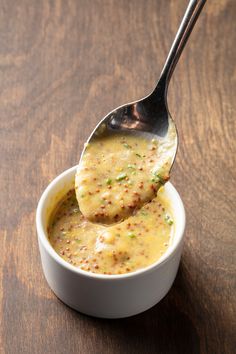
point(190, 17)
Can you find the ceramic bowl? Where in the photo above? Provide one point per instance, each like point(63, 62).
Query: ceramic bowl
point(107, 296)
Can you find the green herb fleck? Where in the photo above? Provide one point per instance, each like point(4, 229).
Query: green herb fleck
point(138, 155)
point(82, 195)
point(127, 146)
point(131, 166)
point(154, 141)
point(144, 213)
point(78, 241)
point(131, 235)
point(121, 176)
point(161, 179)
point(109, 181)
point(168, 220)
point(157, 178)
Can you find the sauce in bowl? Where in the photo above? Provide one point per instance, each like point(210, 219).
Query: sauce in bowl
point(121, 248)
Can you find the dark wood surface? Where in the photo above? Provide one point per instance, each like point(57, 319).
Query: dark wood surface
point(63, 66)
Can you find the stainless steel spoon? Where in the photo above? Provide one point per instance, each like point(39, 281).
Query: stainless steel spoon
point(151, 114)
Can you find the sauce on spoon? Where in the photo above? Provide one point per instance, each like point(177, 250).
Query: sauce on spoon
point(119, 173)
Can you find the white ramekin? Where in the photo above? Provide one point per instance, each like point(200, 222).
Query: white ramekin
point(108, 296)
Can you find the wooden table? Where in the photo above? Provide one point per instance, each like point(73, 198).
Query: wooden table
point(64, 65)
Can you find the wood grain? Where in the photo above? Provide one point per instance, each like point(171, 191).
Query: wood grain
point(64, 65)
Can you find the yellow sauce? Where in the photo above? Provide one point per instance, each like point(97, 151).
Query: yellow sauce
point(121, 248)
point(118, 174)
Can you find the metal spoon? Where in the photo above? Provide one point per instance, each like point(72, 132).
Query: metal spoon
point(151, 114)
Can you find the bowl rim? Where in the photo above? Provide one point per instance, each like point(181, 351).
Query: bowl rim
point(170, 252)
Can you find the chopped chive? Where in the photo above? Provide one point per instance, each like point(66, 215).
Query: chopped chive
point(144, 213)
point(131, 235)
point(109, 181)
point(78, 241)
point(138, 155)
point(131, 166)
point(168, 220)
point(154, 141)
point(157, 178)
point(127, 146)
point(161, 179)
point(121, 176)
